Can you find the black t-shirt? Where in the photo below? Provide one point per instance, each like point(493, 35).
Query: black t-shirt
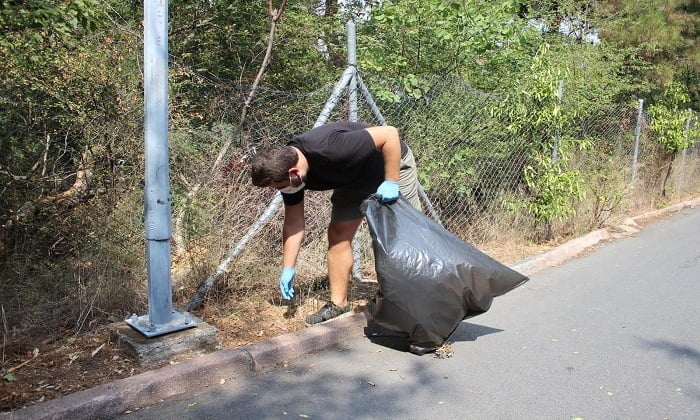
point(340, 155)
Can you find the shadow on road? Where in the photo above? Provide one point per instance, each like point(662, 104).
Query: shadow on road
point(676, 351)
point(308, 390)
point(465, 331)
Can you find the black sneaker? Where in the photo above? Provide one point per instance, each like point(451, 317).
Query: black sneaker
point(329, 311)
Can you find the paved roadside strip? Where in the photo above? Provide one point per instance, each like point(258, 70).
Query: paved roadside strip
point(151, 387)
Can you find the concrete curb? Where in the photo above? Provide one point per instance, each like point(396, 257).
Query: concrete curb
point(575, 246)
point(561, 253)
point(667, 210)
point(151, 387)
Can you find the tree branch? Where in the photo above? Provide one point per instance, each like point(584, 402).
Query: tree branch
point(77, 193)
point(275, 16)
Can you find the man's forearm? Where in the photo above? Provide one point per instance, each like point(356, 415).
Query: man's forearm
point(392, 159)
point(291, 247)
point(292, 233)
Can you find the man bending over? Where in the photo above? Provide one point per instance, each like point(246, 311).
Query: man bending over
point(352, 159)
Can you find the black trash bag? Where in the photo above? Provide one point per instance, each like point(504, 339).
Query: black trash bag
point(429, 279)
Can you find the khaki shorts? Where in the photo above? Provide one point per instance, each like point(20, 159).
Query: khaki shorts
point(346, 202)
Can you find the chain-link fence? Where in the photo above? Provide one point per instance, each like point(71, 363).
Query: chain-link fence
point(471, 165)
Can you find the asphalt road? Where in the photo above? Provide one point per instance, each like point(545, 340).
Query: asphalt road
point(612, 334)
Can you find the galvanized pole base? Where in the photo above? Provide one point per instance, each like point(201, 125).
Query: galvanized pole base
point(179, 321)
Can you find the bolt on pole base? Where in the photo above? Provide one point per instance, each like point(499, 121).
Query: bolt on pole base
point(179, 321)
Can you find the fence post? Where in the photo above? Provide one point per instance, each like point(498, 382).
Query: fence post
point(352, 108)
point(335, 96)
point(370, 101)
point(557, 140)
point(637, 135)
point(352, 62)
point(161, 318)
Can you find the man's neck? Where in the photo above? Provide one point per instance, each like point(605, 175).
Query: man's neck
point(302, 163)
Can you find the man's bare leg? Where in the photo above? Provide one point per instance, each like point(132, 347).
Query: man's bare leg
point(340, 236)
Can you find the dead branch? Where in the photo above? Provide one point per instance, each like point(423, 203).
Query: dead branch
point(77, 193)
point(275, 16)
point(26, 362)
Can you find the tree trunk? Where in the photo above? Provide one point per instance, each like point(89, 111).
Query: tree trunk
point(668, 175)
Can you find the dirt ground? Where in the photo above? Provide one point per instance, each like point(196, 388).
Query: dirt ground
point(41, 369)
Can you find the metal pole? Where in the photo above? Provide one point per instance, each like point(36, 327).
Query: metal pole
point(637, 135)
point(352, 116)
point(234, 251)
point(557, 140)
point(368, 97)
point(335, 95)
point(352, 62)
point(161, 317)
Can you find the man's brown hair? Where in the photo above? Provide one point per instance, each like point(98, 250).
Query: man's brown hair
point(272, 165)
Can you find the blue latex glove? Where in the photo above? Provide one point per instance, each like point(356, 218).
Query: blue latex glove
point(286, 282)
point(388, 192)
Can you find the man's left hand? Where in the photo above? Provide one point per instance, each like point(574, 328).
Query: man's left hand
point(388, 192)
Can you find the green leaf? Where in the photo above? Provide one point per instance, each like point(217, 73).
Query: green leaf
point(9, 377)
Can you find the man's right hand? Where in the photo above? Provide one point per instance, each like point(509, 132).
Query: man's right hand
point(287, 282)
